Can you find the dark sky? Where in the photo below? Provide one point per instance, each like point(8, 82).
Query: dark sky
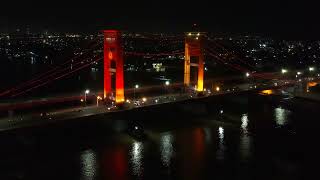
point(281, 18)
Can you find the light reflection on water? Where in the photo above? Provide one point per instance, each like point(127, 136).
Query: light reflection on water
point(88, 165)
point(166, 148)
point(244, 123)
point(221, 147)
point(245, 139)
point(136, 158)
point(281, 116)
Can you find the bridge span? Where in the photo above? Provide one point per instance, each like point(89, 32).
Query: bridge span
point(102, 111)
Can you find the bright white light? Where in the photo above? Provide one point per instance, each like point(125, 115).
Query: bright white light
point(167, 83)
point(284, 71)
point(144, 99)
point(218, 88)
point(136, 86)
point(136, 127)
point(189, 34)
point(198, 34)
point(299, 73)
point(247, 74)
point(87, 91)
point(221, 111)
point(311, 68)
point(128, 101)
point(197, 38)
point(156, 100)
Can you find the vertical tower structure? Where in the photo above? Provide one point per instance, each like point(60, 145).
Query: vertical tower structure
point(113, 51)
point(194, 48)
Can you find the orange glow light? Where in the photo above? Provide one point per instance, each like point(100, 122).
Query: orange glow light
point(312, 84)
point(266, 92)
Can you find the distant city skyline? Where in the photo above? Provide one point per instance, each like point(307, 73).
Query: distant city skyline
point(272, 18)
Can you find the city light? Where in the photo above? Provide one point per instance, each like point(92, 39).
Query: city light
point(247, 74)
point(189, 34)
point(136, 86)
point(144, 99)
point(218, 88)
point(198, 34)
point(283, 71)
point(311, 68)
point(167, 83)
point(87, 91)
point(299, 73)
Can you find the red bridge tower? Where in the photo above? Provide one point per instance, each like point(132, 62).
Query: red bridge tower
point(113, 52)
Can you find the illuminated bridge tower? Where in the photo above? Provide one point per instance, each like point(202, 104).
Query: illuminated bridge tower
point(113, 52)
point(194, 48)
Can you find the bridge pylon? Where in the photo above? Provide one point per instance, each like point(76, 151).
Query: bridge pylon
point(113, 52)
point(194, 48)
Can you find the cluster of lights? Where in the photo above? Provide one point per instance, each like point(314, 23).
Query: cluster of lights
point(196, 35)
point(283, 71)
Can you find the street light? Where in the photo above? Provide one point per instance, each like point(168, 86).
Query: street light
point(134, 91)
point(311, 69)
point(167, 83)
point(98, 98)
point(283, 71)
point(247, 74)
point(87, 91)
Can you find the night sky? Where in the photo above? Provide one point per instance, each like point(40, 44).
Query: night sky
point(270, 17)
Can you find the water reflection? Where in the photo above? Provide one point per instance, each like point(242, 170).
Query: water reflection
point(88, 165)
point(166, 148)
point(221, 147)
point(281, 116)
point(207, 132)
point(136, 158)
point(245, 139)
point(244, 123)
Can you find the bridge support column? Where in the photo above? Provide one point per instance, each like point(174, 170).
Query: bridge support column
point(194, 48)
point(200, 72)
point(186, 65)
point(113, 52)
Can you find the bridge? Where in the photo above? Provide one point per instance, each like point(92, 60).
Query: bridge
point(195, 50)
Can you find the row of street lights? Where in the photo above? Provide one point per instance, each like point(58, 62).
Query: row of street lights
point(87, 91)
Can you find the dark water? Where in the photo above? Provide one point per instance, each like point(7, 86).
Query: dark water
point(259, 141)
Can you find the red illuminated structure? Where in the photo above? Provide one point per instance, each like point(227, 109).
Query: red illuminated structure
point(194, 48)
point(113, 52)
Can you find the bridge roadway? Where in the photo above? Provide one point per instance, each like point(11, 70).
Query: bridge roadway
point(29, 120)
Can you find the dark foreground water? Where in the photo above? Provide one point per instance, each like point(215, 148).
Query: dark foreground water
point(239, 141)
